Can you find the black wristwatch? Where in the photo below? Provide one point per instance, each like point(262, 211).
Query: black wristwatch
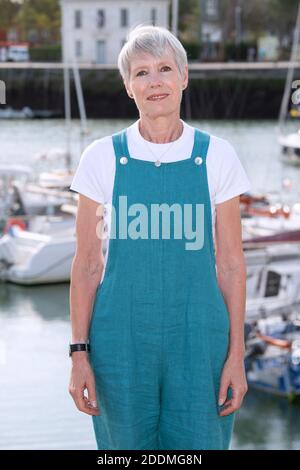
point(78, 347)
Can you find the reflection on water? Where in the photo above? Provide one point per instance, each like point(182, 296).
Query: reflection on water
point(36, 409)
point(267, 422)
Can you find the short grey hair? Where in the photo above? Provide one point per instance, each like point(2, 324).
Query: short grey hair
point(154, 40)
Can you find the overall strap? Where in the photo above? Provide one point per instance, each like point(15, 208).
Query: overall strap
point(201, 144)
point(120, 144)
point(200, 148)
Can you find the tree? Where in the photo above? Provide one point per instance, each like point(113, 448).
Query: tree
point(283, 14)
point(259, 17)
point(8, 11)
point(188, 21)
point(39, 22)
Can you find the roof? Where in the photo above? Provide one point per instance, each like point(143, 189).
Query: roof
point(12, 43)
point(284, 267)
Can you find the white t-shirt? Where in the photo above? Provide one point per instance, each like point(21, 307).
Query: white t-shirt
point(95, 173)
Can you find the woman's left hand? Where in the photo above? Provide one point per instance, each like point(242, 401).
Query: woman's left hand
point(234, 376)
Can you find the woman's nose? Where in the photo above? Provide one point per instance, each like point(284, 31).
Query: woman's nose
point(155, 78)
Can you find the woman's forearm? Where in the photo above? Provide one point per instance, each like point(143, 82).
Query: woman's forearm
point(85, 278)
point(232, 281)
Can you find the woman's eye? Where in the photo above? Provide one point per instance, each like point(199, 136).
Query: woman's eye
point(164, 67)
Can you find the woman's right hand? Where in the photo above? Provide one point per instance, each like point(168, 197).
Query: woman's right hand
point(82, 377)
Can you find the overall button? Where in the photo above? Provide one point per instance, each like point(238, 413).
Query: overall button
point(123, 160)
point(157, 163)
point(198, 160)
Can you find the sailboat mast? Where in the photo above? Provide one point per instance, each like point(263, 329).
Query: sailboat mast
point(81, 105)
point(67, 99)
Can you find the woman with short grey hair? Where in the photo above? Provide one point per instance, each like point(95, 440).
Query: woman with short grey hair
point(158, 319)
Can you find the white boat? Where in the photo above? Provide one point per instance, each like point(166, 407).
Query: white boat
point(37, 258)
point(290, 145)
point(56, 179)
point(23, 195)
point(257, 256)
point(267, 226)
point(272, 288)
point(27, 113)
point(8, 175)
point(10, 113)
point(272, 359)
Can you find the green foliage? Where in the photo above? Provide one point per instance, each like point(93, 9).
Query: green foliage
point(188, 20)
point(39, 22)
point(8, 11)
point(46, 53)
point(35, 20)
point(193, 50)
point(238, 53)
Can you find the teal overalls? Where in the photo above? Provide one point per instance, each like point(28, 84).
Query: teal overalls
point(159, 331)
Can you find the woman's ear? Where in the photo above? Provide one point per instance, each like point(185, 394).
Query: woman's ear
point(186, 78)
point(127, 89)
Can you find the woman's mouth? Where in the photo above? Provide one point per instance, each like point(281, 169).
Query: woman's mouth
point(157, 97)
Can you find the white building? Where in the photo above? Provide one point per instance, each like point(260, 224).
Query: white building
point(94, 31)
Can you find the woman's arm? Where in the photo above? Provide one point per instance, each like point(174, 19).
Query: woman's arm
point(86, 272)
point(232, 275)
point(87, 267)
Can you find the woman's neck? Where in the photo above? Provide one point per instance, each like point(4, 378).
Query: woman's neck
point(160, 132)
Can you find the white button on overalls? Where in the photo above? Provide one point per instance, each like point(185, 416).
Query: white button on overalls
point(123, 160)
point(198, 160)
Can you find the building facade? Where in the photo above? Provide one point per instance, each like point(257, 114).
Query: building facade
point(94, 31)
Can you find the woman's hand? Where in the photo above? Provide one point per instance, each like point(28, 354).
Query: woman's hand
point(234, 376)
point(82, 377)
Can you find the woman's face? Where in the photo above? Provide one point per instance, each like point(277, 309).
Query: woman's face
point(150, 76)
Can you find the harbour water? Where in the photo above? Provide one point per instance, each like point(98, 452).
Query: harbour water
point(35, 408)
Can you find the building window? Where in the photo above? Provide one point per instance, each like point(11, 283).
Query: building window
point(124, 17)
point(211, 7)
point(78, 18)
point(101, 52)
point(100, 18)
point(153, 18)
point(78, 48)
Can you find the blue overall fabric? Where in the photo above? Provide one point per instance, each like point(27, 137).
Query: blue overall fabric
point(159, 331)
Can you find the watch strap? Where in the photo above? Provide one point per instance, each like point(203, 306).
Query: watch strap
point(78, 347)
